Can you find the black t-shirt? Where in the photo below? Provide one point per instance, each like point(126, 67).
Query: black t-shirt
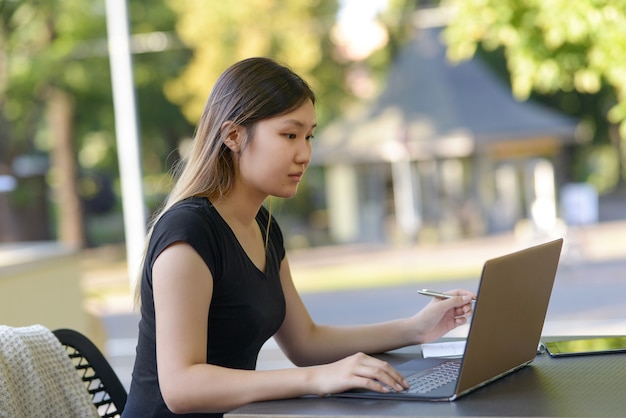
point(247, 306)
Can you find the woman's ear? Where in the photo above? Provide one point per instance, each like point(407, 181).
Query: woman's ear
point(233, 135)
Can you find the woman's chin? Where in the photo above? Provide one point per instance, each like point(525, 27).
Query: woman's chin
point(286, 194)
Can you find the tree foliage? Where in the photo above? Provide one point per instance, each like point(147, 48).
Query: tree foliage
point(58, 48)
point(221, 32)
point(550, 45)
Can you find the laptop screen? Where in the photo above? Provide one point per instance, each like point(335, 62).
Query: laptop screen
point(511, 306)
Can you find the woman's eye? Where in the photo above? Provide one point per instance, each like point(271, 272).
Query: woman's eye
point(310, 137)
point(291, 136)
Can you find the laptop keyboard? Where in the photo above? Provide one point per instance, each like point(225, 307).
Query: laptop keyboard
point(434, 378)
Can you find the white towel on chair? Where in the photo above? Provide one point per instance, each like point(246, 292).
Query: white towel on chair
point(37, 378)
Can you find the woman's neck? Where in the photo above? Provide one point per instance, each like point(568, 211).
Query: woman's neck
point(237, 209)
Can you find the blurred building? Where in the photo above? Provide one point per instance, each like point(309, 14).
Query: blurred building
point(445, 151)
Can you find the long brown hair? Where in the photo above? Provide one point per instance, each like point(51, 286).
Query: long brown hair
point(247, 92)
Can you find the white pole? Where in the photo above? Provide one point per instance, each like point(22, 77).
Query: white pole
point(127, 133)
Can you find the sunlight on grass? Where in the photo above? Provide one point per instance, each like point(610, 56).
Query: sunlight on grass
point(356, 276)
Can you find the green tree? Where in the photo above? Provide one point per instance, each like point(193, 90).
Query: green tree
point(550, 46)
point(298, 33)
point(220, 33)
point(35, 105)
point(55, 98)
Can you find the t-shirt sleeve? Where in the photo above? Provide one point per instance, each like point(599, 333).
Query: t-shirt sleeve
point(187, 224)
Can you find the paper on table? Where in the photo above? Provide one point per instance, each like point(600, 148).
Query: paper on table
point(446, 349)
point(453, 349)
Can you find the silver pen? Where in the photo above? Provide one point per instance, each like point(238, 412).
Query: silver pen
point(437, 294)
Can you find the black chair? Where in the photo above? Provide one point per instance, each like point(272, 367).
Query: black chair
point(107, 392)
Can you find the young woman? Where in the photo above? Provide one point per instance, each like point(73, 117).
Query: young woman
point(216, 282)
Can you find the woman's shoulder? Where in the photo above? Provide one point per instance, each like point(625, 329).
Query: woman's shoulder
point(193, 212)
point(189, 207)
point(193, 204)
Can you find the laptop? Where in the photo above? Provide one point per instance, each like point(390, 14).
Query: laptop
point(504, 333)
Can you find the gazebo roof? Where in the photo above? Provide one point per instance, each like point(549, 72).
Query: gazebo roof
point(432, 108)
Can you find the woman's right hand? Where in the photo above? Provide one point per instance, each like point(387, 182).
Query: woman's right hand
point(358, 371)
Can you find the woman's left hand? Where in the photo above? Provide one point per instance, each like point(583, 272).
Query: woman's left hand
point(442, 315)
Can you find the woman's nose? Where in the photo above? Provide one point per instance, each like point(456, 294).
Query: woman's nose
point(304, 154)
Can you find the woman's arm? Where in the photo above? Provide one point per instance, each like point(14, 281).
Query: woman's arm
point(306, 343)
point(183, 286)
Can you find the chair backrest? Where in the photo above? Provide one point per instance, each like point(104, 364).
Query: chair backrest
point(107, 392)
